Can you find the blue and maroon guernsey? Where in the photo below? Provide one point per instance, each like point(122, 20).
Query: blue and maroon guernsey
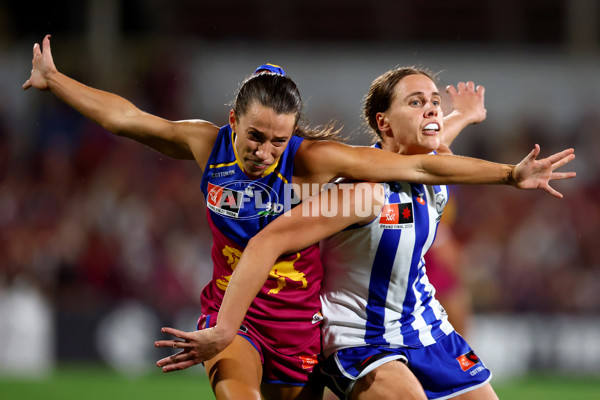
point(238, 208)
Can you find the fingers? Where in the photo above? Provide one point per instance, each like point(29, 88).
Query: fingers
point(176, 362)
point(179, 366)
point(46, 44)
point(533, 153)
point(36, 53)
point(465, 87)
point(174, 359)
point(174, 332)
point(181, 356)
point(562, 175)
point(563, 161)
point(561, 155)
point(182, 344)
point(176, 344)
point(481, 90)
point(553, 192)
point(451, 90)
point(36, 50)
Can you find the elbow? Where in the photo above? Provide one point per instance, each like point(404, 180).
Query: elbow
point(254, 244)
point(264, 247)
point(112, 126)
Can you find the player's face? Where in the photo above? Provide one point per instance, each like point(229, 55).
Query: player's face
point(414, 121)
point(261, 137)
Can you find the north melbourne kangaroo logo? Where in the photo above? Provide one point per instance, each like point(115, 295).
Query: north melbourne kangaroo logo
point(440, 202)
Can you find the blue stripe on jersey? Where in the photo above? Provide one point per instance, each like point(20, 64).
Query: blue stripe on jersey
point(381, 272)
point(429, 315)
point(421, 228)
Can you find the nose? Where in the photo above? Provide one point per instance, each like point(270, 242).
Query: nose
point(263, 151)
point(432, 110)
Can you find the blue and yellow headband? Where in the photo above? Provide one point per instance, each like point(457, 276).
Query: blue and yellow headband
point(276, 69)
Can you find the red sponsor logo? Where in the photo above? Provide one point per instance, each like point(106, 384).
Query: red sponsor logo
point(390, 215)
point(214, 194)
point(308, 362)
point(468, 360)
point(397, 213)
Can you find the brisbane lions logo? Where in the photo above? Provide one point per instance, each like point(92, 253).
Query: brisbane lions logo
point(281, 271)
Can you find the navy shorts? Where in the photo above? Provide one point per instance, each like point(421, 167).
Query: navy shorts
point(445, 369)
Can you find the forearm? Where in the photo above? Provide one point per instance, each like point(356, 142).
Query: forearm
point(326, 160)
point(102, 107)
point(454, 123)
point(428, 169)
point(119, 116)
point(248, 278)
point(464, 170)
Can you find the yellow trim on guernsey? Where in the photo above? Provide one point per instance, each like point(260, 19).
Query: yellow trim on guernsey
point(239, 163)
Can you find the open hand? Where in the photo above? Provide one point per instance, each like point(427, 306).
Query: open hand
point(43, 66)
point(537, 174)
point(197, 347)
point(468, 100)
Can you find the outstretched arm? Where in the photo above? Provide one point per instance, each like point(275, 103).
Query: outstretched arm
point(183, 139)
point(468, 108)
point(295, 230)
point(319, 162)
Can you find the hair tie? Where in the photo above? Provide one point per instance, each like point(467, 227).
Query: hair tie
point(276, 69)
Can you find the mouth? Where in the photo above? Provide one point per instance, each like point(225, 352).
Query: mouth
point(431, 129)
point(258, 165)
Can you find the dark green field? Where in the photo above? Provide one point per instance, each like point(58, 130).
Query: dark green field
point(90, 383)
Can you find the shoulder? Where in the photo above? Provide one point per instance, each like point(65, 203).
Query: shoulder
point(320, 147)
point(321, 157)
point(199, 135)
point(198, 129)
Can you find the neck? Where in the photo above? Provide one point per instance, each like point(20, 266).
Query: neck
point(391, 146)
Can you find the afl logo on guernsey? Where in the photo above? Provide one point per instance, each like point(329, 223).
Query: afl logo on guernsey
point(396, 216)
point(243, 200)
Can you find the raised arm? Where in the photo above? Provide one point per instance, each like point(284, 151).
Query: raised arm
point(182, 139)
point(322, 161)
point(295, 230)
point(468, 108)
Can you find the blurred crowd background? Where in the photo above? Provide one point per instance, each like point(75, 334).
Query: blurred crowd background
point(101, 237)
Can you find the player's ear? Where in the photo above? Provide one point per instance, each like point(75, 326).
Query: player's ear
point(232, 120)
point(383, 122)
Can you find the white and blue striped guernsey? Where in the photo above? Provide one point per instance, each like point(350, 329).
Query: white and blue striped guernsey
point(376, 291)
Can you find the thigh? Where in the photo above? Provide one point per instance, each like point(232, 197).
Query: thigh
point(391, 380)
point(312, 389)
point(236, 372)
point(485, 392)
